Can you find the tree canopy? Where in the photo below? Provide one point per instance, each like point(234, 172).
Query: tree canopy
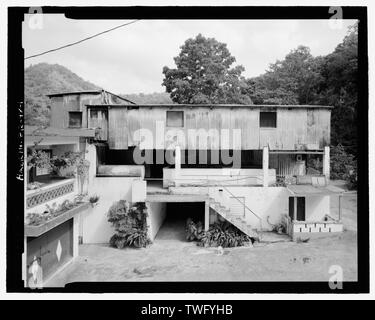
point(330, 80)
point(204, 74)
point(293, 80)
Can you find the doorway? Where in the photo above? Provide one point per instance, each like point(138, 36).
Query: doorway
point(177, 214)
point(301, 208)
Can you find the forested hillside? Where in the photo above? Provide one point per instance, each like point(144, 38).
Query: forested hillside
point(42, 79)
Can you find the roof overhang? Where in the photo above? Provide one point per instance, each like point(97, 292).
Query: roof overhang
point(310, 190)
point(34, 131)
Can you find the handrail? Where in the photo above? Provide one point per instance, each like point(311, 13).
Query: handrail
point(245, 206)
point(208, 181)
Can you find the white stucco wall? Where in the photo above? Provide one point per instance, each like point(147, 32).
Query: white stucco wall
point(271, 201)
point(157, 212)
point(95, 225)
point(317, 207)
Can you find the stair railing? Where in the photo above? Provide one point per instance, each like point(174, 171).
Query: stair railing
point(244, 204)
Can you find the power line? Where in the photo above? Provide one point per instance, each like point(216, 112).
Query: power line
point(85, 39)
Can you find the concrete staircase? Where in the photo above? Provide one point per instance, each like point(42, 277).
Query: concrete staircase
point(220, 203)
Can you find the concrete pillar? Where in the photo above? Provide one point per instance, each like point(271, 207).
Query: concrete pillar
point(295, 209)
point(265, 166)
point(177, 165)
point(206, 216)
point(76, 221)
point(326, 168)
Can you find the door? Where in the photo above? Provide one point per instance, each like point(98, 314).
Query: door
point(301, 208)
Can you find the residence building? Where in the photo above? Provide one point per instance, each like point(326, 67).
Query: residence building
point(247, 164)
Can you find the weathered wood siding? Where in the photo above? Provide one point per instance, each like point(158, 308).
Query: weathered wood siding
point(117, 133)
point(98, 118)
point(61, 105)
point(296, 128)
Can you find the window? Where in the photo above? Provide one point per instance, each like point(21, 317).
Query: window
point(267, 120)
point(175, 118)
point(75, 119)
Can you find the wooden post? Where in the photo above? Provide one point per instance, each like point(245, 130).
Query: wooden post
point(295, 209)
point(265, 166)
point(326, 169)
point(206, 215)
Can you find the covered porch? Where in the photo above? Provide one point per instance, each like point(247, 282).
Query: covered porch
point(309, 213)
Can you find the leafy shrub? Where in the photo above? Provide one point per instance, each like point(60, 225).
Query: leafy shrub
point(222, 234)
point(130, 224)
point(281, 226)
point(39, 159)
point(343, 166)
point(94, 198)
point(51, 211)
point(314, 164)
point(193, 230)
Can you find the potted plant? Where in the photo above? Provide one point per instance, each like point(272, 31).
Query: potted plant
point(63, 166)
point(94, 200)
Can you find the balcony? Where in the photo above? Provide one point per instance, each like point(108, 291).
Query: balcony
point(53, 190)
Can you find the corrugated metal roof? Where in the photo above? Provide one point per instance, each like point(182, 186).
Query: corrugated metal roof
point(59, 94)
point(305, 190)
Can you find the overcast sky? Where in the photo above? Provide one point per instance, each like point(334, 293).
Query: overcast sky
point(131, 59)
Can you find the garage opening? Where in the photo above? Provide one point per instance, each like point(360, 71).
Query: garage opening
point(177, 213)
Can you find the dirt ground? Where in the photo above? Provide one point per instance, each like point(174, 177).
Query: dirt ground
point(171, 258)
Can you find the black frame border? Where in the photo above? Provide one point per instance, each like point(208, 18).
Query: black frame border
point(15, 122)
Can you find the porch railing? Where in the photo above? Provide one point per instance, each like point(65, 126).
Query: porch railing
point(48, 193)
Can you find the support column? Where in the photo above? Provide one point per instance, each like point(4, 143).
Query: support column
point(206, 216)
point(177, 165)
point(326, 168)
point(295, 209)
point(265, 166)
point(75, 235)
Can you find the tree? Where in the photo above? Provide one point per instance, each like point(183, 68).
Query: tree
point(294, 80)
point(340, 90)
point(204, 74)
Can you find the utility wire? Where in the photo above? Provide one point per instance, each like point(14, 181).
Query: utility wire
point(85, 39)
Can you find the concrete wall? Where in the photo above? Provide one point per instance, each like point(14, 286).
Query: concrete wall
point(317, 207)
point(157, 212)
point(95, 227)
point(272, 202)
point(227, 176)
